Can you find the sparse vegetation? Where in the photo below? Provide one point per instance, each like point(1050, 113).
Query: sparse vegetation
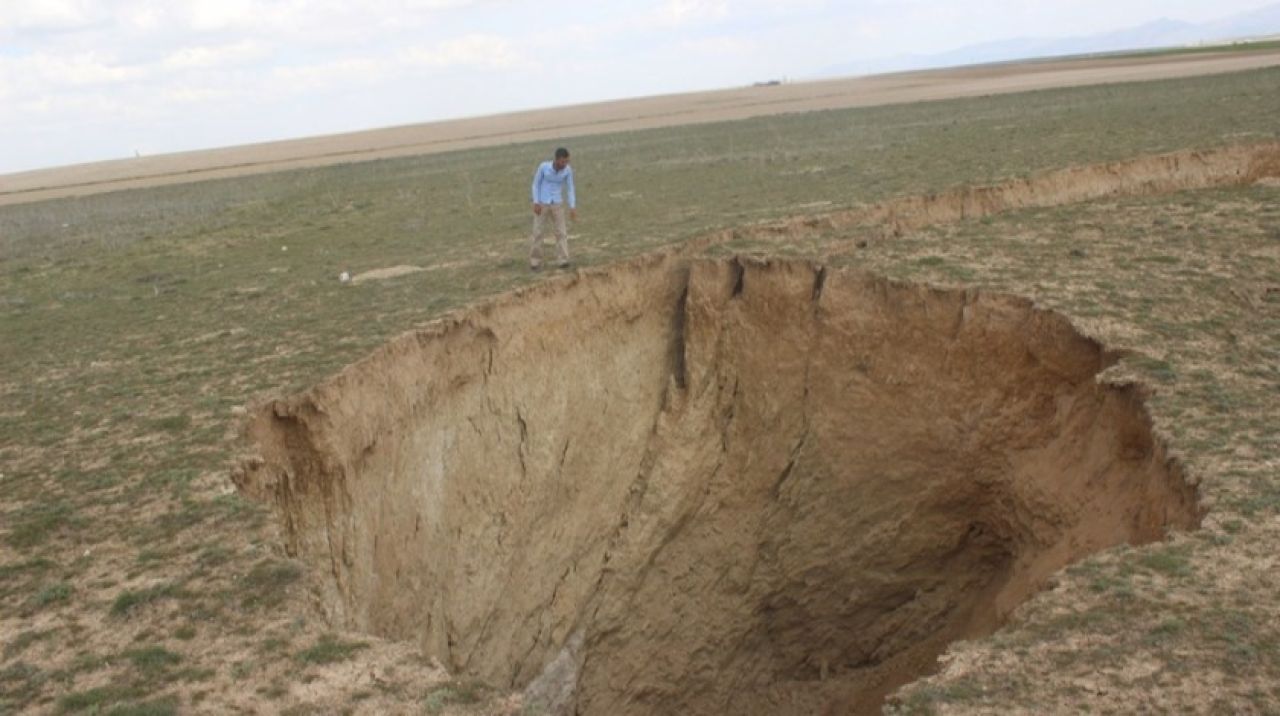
point(330, 649)
point(20, 642)
point(265, 584)
point(452, 693)
point(103, 699)
point(135, 323)
point(52, 594)
point(152, 660)
point(37, 523)
point(130, 600)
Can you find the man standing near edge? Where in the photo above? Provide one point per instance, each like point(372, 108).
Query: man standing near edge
point(549, 182)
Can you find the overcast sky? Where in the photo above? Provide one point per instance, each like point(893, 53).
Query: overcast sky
point(84, 80)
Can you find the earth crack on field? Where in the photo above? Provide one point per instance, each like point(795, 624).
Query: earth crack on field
point(708, 486)
point(1152, 175)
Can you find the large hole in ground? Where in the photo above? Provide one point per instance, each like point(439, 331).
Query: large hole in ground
point(711, 487)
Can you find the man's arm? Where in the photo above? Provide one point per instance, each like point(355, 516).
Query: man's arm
point(573, 198)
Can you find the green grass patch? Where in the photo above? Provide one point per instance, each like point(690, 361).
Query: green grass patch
point(100, 700)
point(20, 683)
point(172, 423)
point(36, 524)
point(1172, 561)
point(1166, 630)
point(52, 594)
point(37, 566)
point(18, 577)
point(453, 693)
point(1213, 48)
point(130, 600)
point(19, 643)
point(928, 699)
point(167, 706)
point(1262, 498)
point(329, 650)
point(264, 586)
point(1118, 584)
point(1161, 371)
point(152, 660)
point(213, 556)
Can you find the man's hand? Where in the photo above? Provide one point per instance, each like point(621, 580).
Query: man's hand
point(537, 209)
point(573, 214)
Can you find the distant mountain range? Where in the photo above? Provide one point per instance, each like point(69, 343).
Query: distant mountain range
point(1261, 23)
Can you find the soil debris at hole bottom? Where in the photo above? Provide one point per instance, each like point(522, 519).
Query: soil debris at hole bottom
point(712, 486)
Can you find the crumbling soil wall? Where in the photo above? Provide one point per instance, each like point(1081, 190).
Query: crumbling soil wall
point(711, 487)
point(1141, 176)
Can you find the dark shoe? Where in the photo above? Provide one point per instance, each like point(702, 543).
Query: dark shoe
point(566, 265)
point(535, 268)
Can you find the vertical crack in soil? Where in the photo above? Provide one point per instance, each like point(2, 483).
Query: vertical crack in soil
point(721, 487)
point(1141, 176)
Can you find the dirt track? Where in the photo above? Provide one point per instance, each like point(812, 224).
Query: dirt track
point(644, 113)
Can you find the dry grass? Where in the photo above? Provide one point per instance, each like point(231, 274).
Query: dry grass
point(133, 579)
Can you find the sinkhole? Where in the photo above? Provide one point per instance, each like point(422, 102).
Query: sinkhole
point(710, 486)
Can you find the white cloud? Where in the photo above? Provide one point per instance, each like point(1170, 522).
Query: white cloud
point(61, 107)
point(142, 19)
point(205, 57)
point(430, 4)
point(224, 14)
point(35, 106)
point(184, 94)
point(311, 20)
point(719, 46)
point(80, 69)
point(44, 14)
point(780, 7)
point(685, 12)
point(327, 75)
point(478, 51)
point(471, 52)
point(869, 30)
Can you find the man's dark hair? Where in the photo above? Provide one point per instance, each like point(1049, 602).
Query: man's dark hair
point(562, 153)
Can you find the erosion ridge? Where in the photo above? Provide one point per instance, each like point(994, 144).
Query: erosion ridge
point(1142, 176)
point(675, 485)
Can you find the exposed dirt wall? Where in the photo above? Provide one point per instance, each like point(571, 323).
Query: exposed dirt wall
point(711, 487)
point(1149, 175)
point(544, 402)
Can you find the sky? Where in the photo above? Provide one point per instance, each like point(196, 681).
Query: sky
point(89, 80)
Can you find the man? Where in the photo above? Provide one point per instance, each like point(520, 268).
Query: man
point(549, 183)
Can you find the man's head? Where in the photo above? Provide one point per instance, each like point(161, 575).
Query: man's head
point(562, 159)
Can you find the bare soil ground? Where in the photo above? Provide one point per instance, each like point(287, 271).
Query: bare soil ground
point(622, 115)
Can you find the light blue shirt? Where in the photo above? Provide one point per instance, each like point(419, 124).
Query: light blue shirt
point(548, 185)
